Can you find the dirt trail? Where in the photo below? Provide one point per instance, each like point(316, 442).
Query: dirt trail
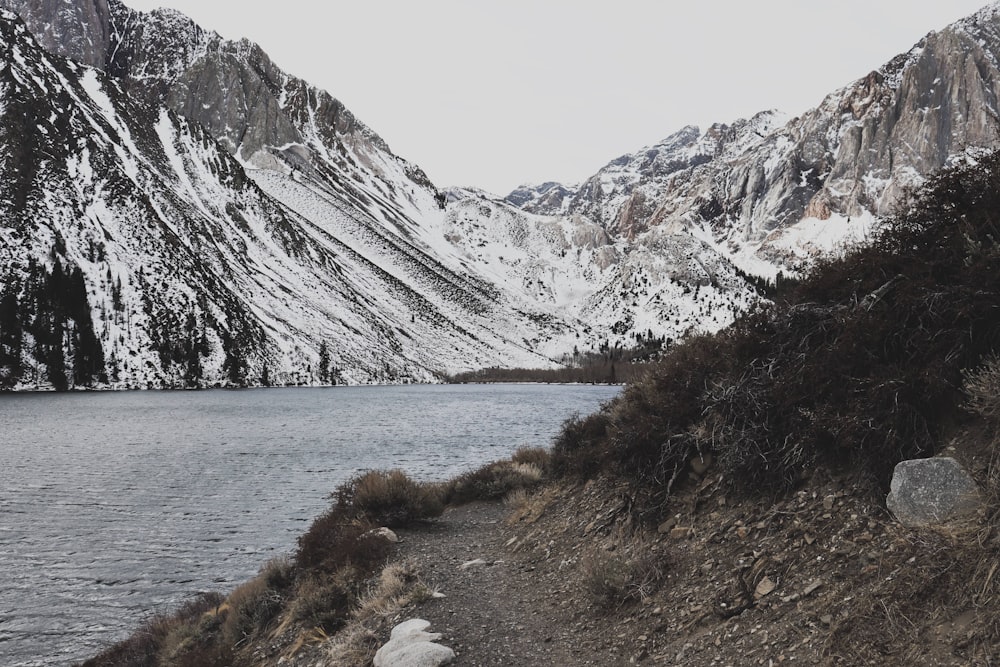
point(511, 611)
point(820, 576)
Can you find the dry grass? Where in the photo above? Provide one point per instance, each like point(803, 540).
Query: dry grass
point(324, 601)
point(612, 580)
point(185, 638)
point(493, 481)
point(398, 586)
point(538, 457)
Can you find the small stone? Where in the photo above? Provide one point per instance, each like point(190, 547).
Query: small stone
point(386, 534)
point(681, 532)
point(742, 532)
point(809, 538)
point(812, 588)
point(764, 588)
point(828, 502)
point(666, 526)
point(479, 562)
point(826, 619)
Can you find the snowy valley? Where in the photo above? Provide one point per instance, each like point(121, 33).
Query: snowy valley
point(176, 211)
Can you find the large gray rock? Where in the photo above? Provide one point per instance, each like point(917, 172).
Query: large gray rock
point(410, 645)
point(934, 491)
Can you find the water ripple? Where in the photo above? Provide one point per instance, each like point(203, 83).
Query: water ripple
point(117, 506)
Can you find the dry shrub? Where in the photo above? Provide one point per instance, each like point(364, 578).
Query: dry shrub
point(389, 498)
point(325, 601)
point(162, 634)
point(859, 365)
point(140, 649)
point(581, 447)
point(539, 457)
point(492, 481)
point(192, 642)
point(336, 540)
point(612, 580)
point(249, 609)
point(982, 385)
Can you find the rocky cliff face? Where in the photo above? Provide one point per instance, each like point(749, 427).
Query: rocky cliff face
point(76, 29)
point(773, 192)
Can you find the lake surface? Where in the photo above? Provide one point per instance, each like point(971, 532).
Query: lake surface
point(114, 506)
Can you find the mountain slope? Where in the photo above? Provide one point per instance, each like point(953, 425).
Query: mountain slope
point(230, 223)
point(778, 192)
point(194, 274)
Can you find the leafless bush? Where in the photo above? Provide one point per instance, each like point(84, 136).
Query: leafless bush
point(612, 580)
point(389, 498)
point(982, 385)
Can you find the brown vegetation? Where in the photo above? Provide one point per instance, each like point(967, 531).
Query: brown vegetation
point(335, 582)
point(855, 368)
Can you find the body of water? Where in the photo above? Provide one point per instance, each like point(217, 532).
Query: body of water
point(114, 506)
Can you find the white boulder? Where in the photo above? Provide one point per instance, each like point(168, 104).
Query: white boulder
point(410, 645)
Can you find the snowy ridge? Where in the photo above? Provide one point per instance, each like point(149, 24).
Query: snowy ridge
point(196, 275)
point(771, 194)
point(212, 220)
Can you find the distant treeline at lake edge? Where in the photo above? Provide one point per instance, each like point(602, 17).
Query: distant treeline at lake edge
point(608, 365)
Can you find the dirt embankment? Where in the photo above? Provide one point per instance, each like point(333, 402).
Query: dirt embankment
point(822, 576)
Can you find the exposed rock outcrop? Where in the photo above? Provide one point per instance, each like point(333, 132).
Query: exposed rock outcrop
point(855, 155)
point(76, 29)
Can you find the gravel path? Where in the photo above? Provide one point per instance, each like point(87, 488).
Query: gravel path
point(510, 611)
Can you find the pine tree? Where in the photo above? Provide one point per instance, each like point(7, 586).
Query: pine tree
point(10, 341)
point(324, 363)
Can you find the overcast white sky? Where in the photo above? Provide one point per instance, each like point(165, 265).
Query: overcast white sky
point(497, 93)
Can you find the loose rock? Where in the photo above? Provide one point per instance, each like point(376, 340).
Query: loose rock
point(933, 491)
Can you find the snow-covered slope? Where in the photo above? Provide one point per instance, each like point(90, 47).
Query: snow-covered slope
point(175, 210)
point(611, 291)
point(773, 193)
point(196, 273)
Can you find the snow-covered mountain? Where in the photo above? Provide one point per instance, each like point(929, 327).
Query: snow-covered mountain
point(175, 210)
point(772, 193)
point(200, 266)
